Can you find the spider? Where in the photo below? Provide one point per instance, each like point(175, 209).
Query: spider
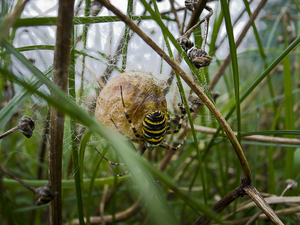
point(155, 127)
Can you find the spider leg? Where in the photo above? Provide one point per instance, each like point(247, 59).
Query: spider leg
point(128, 138)
point(141, 150)
point(183, 112)
point(128, 117)
point(118, 175)
point(169, 122)
point(111, 163)
point(168, 118)
point(165, 145)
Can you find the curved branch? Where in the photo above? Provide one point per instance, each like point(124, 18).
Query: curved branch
point(121, 216)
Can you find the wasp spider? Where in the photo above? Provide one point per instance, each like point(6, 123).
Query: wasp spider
point(155, 127)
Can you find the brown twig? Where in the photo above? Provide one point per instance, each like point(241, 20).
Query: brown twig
point(60, 78)
point(225, 63)
point(262, 204)
point(42, 195)
point(121, 216)
point(222, 204)
point(176, 16)
point(17, 179)
point(272, 200)
point(281, 212)
point(196, 13)
point(254, 217)
point(102, 204)
point(188, 33)
point(243, 189)
point(25, 126)
point(258, 138)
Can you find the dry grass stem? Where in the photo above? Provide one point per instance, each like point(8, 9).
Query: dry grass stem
point(121, 216)
point(258, 138)
point(262, 204)
point(281, 212)
point(26, 126)
point(254, 217)
point(270, 200)
point(220, 205)
point(188, 33)
point(102, 204)
point(176, 16)
point(17, 179)
point(42, 195)
point(196, 13)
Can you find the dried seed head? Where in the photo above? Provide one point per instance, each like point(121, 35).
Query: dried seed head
point(199, 58)
point(43, 195)
point(292, 184)
point(26, 126)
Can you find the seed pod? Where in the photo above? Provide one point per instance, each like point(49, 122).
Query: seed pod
point(142, 94)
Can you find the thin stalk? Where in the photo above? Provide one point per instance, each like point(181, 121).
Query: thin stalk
point(214, 34)
point(235, 73)
point(254, 170)
point(270, 154)
point(262, 54)
point(234, 62)
point(288, 108)
point(84, 40)
point(196, 13)
point(296, 4)
point(200, 164)
point(90, 191)
point(74, 142)
point(126, 35)
point(60, 78)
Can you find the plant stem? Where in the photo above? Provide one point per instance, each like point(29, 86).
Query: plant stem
point(60, 78)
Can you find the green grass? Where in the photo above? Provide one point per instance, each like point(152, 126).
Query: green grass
point(259, 95)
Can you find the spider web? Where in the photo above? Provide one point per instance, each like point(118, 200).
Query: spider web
point(97, 61)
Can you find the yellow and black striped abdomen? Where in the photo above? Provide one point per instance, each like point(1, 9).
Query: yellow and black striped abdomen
point(154, 127)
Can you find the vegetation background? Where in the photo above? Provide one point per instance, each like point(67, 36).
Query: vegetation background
point(258, 94)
